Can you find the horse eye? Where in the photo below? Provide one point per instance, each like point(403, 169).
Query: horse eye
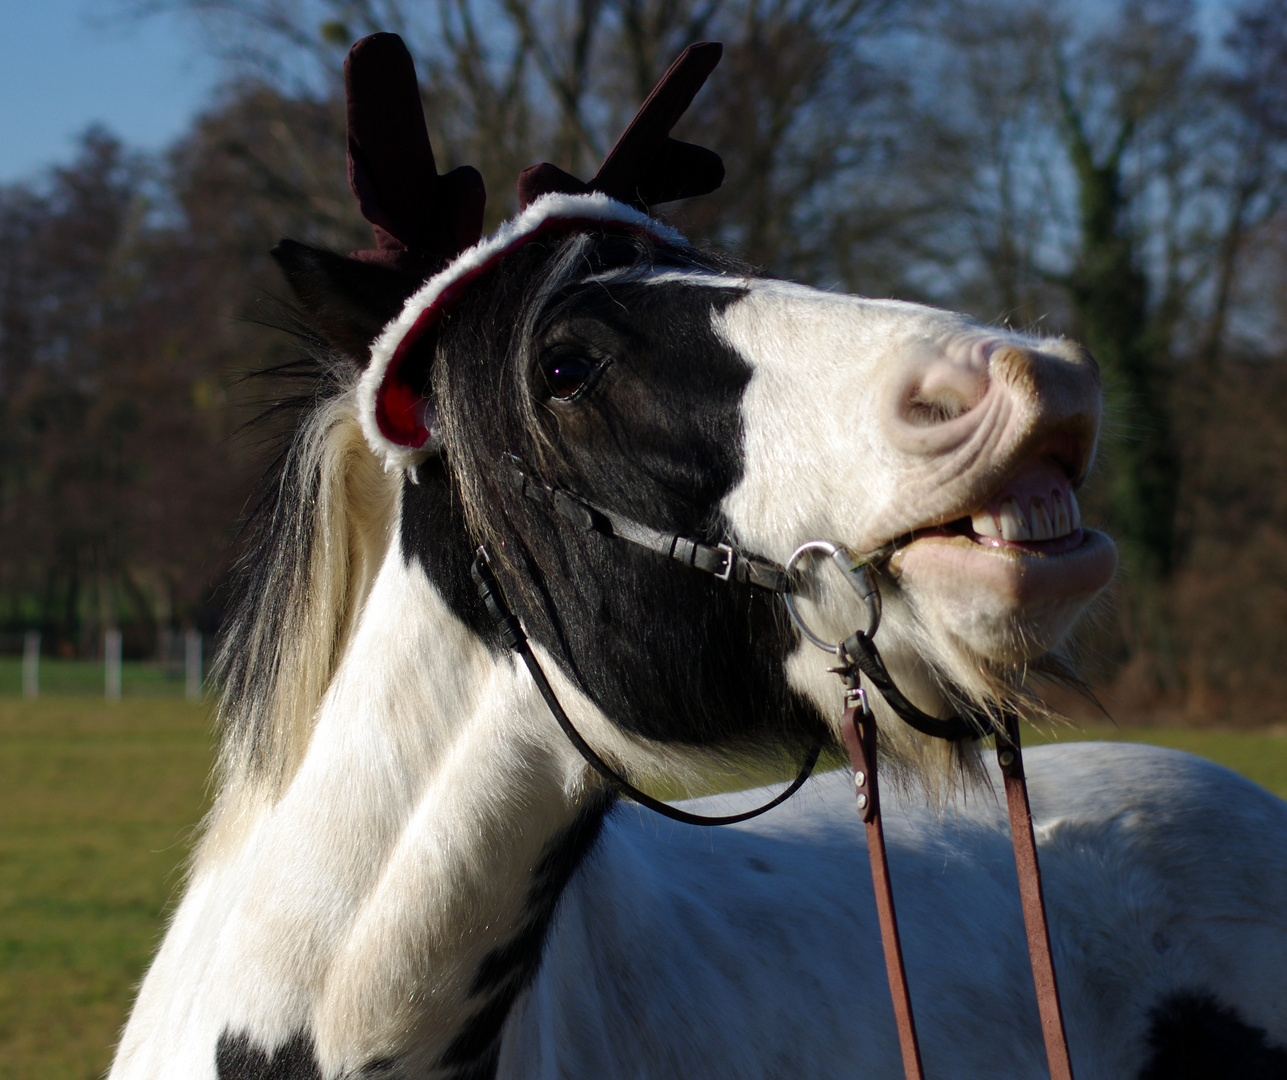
point(566, 375)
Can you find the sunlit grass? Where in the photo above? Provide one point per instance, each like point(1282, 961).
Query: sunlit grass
point(97, 805)
point(97, 802)
point(66, 677)
point(1259, 755)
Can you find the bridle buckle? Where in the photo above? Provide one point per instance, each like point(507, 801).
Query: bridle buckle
point(730, 561)
point(856, 698)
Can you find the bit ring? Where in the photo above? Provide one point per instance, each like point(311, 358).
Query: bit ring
point(857, 574)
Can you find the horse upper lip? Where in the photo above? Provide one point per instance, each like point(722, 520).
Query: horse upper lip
point(1035, 502)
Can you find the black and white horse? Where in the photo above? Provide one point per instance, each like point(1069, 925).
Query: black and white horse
point(410, 872)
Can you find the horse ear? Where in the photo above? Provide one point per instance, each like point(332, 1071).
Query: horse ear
point(348, 301)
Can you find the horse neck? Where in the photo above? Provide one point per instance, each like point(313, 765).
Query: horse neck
point(393, 900)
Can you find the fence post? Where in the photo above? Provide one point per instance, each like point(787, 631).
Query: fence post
point(31, 664)
point(192, 665)
point(112, 664)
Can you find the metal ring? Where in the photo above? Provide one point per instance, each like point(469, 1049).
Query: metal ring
point(859, 577)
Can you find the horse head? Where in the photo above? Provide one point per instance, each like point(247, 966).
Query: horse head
point(642, 432)
point(593, 350)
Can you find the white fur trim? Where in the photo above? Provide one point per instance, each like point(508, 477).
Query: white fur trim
point(590, 208)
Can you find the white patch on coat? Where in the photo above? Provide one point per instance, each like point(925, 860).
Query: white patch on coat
point(358, 907)
point(832, 451)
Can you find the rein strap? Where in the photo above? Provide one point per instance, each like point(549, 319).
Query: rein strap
point(513, 635)
point(858, 726)
point(1010, 758)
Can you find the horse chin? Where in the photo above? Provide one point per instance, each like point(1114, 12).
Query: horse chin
point(1005, 606)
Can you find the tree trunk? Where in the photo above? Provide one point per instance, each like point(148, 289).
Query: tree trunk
point(1109, 294)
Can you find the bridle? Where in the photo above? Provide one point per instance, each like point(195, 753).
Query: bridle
point(720, 560)
point(857, 656)
point(430, 223)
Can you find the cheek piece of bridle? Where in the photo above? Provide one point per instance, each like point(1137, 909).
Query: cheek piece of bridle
point(423, 221)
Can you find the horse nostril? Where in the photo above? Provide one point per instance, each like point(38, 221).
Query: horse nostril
point(948, 387)
point(1015, 366)
point(924, 410)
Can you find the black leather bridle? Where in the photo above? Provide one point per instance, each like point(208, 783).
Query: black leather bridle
point(857, 656)
point(512, 634)
point(721, 560)
point(726, 563)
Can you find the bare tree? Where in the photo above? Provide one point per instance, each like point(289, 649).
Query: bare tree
point(801, 109)
point(1113, 172)
point(1110, 168)
point(114, 484)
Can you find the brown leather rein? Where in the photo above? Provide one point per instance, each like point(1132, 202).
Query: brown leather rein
point(857, 657)
point(858, 727)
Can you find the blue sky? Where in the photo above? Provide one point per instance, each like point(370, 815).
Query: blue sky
point(65, 65)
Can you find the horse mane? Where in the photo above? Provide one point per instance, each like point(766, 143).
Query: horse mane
point(321, 527)
point(312, 545)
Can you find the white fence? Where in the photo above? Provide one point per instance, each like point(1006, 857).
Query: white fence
point(179, 662)
point(31, 664)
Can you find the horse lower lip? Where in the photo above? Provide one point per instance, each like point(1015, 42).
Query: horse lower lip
point(1026, 573)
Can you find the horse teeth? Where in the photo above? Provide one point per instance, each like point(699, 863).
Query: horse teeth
point(984, 524)
point(1059, 514)
point(1074, 511)
point(1014, 525)
point(1042, 527)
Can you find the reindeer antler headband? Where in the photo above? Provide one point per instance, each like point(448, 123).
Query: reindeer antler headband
point(431, 224)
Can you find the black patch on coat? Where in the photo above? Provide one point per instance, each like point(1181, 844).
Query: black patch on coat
point(508, 969)
point(1193, 1037)
point(433, 532)
point(667, 652)
point(237, 1058)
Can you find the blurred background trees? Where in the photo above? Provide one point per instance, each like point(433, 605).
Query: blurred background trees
point(1115, 172)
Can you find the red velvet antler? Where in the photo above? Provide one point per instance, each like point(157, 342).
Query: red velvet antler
point(421, 220)
point(647, 166)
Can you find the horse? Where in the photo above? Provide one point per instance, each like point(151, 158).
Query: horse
point(411, 871)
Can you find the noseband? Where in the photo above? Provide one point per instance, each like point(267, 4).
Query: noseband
point(857, 656)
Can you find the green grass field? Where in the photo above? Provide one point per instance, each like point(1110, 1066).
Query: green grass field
point(97, 805)
point(97, 802)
